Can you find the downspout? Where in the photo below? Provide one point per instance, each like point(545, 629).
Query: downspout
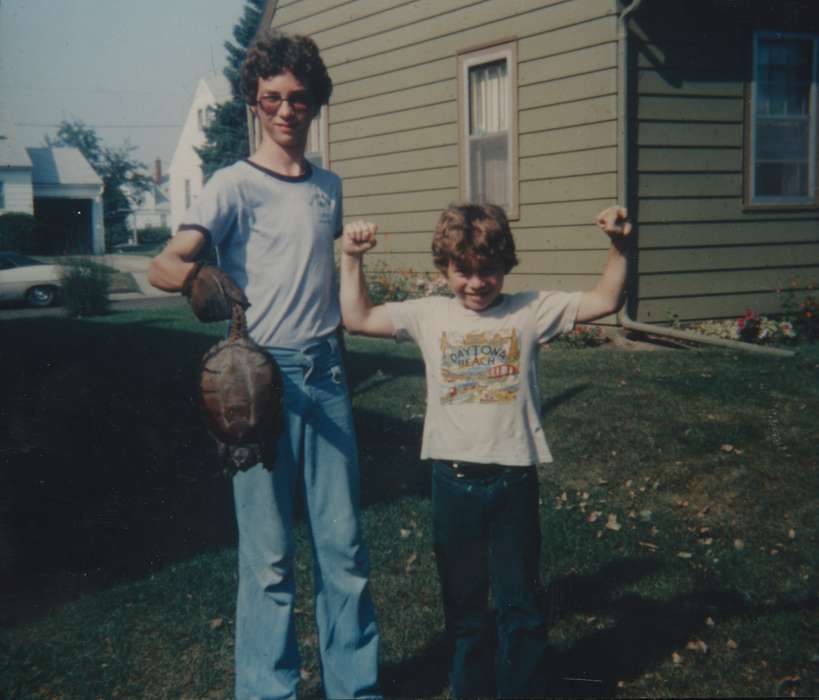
point(624, 193)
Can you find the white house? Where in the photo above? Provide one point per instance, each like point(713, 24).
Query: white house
point(186, 167)
point(58, 186)
point(152, 207)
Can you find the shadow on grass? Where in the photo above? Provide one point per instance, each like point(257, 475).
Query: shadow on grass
point(106, 470)
point(641, 636)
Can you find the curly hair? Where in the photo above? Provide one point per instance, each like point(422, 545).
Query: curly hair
point(473, 234)
point(273, 53)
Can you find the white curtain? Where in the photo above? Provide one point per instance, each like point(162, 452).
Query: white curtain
point(489, 133)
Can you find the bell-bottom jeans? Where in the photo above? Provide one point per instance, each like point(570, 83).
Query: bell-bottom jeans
point(486, 534)
point(317, 448)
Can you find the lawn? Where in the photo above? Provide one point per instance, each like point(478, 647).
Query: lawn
point(679, 519)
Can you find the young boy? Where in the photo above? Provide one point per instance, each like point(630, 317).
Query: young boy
point(482, 428)
point(273, 218)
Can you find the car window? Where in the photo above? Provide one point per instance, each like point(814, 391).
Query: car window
point(17, 260)
point(5, 264)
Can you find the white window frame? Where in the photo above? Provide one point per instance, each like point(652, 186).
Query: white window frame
point(501, 51)
point(320, 130)
point(812, 197)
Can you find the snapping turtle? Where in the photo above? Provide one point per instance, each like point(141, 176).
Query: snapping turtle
point(241, 394)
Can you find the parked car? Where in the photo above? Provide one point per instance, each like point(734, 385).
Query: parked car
point(23, 278)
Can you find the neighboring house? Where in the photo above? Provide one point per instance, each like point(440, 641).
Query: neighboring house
point(702, 117)
point(57, 186)
point(186, 167)
point(152, 208)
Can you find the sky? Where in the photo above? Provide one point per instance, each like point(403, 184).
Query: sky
point(128, 68)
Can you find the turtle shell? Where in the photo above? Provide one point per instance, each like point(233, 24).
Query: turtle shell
point(241, 392)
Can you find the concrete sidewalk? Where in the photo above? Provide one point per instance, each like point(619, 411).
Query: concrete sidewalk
point(137, 267)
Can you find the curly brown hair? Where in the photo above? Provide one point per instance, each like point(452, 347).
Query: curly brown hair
point(473, 235)
point(274, 53)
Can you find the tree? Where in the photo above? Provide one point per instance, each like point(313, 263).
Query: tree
point(122, 175)
point(226, 135)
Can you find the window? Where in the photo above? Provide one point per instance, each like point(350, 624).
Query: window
point(487, 88)
point(783, 141)
point(317, 151)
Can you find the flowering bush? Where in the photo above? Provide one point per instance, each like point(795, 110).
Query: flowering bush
point(750, 328)
point(581, 337)
point(397, 285)
point(801, 307)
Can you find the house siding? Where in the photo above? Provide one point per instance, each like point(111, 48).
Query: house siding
point(393, 120)
point(703, 252)
point(17, 191)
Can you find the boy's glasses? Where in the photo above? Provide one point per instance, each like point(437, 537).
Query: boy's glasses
point(298, 101)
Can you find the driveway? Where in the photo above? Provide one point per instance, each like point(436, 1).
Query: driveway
point(147, 297)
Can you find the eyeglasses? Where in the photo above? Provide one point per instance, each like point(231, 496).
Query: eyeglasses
point(298, 101)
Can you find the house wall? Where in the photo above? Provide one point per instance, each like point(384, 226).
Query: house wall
point(393, 120)
point(17, 190)
point(185, 164)
point(703, 253)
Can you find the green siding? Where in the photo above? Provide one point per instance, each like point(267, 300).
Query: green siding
point(703, 252)
point(393, 120)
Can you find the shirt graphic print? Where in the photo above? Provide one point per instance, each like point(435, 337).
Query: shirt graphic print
point(480, 367)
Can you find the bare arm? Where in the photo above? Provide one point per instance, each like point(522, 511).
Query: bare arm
point(169, 269)
point(357, 310)
point(607, 295)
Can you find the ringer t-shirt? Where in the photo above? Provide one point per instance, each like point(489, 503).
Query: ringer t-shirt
point(274, 236)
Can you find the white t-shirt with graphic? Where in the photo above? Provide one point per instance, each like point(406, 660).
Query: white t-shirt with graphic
point(483, 403)
point(274, 236)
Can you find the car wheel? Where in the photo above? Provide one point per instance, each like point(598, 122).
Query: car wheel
point(41, 296)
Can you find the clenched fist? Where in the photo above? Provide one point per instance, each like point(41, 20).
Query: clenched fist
point(358, 237)
point(614, 221)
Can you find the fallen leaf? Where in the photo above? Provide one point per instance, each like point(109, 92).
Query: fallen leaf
point(731, 644)
point(612, 523)
point(410, 563)
point(304, 674)
point(645, 515)
point(621, 684)
point(739, 544)
point(676, 658)
point(710, 621)
point(697, 645)
point(684, 555)
point(593, 516)
point(648, 545)
point(405, 533)
point(216, 623)
point(792, 534)
point(564, 497)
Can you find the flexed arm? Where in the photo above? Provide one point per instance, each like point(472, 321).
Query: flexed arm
point(359, 314)
point(607, 295)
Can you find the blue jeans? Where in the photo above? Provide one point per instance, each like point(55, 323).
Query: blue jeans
point(486, 533)
point(318, 447)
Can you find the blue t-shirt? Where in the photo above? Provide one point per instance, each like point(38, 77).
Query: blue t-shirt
point(274, 236)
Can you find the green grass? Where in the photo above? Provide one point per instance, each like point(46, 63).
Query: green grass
point(117, 538)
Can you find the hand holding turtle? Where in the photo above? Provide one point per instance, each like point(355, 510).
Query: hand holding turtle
point(212, 293)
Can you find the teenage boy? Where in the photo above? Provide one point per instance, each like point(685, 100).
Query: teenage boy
point(482, 428)
point(273, 219)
